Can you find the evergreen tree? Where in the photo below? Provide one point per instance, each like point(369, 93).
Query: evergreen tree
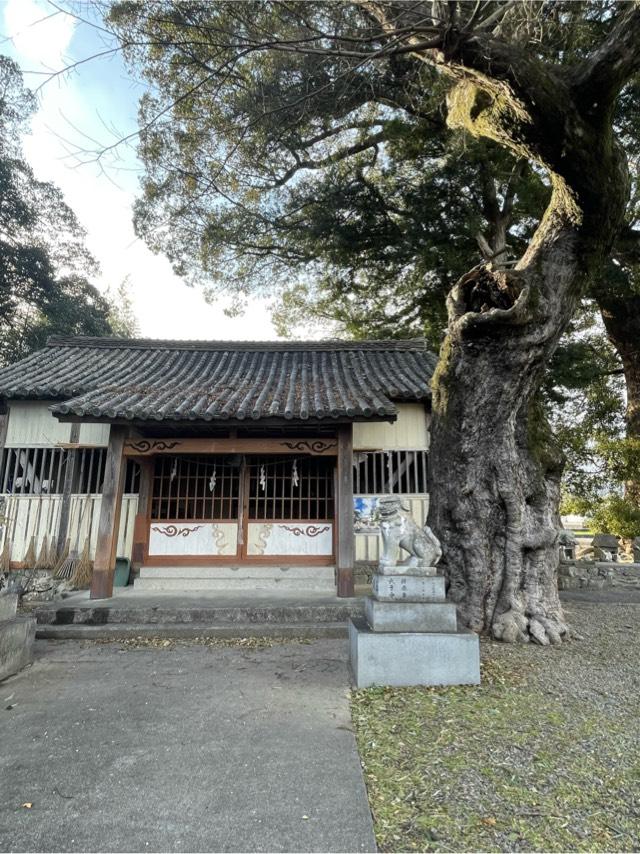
point(45, 267)
point(259, 109)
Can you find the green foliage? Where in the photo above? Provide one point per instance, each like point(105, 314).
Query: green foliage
point(589, 420)
point(610, 514)
point(334, 184)
point(122, 318)
point(44, 264)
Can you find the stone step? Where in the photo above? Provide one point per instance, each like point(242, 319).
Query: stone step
point(234, 573)
point(140, 614)
point(118, 631)
point(279, 585)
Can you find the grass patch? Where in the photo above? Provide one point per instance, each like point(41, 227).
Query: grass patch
point(517, 764)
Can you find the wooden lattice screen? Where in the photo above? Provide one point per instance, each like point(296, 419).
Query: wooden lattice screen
point(200, 488)
point(41, 471)
point(208, 488)
point(290, 489)
point(396, 472)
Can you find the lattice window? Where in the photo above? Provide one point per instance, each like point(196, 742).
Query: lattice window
point(395, 472)
point(290, 488)
point(89, 472)
point(202, 488)
point(33, 471)
point(42, 471)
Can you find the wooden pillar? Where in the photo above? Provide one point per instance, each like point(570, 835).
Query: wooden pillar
point(109, 524)
point(344, 514)
point(141, 523)
point(67, 489)
point(4, 424)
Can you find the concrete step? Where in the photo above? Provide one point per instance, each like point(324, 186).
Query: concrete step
point(234, 573)
point(279, 585)
point(141, 614)
point(117, 631)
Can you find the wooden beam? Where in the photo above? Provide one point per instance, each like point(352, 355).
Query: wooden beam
point(344, 514)
point(141, 523)
point(144, 425)
point(67, 489)
point(315, 447)
point(109, 523)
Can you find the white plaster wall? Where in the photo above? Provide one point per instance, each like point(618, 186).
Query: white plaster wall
point(193, 538)
point(94, 434)
point(32, 425)
point(290, 538)
point(409, 432)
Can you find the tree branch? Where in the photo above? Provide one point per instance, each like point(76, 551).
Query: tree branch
point(601, 76)
point(627, 247)
point(370, 142)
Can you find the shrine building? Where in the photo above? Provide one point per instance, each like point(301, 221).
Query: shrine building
point(204, 462)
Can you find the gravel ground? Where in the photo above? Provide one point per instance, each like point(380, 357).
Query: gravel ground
point(543, 756)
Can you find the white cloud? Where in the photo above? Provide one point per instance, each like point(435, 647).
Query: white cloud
point(41, 35)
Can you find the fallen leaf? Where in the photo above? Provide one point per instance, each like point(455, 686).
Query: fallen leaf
point(27, 805)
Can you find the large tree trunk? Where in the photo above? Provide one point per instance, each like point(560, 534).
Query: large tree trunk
point(621, 316)
point(495, 469)
point(494, 484)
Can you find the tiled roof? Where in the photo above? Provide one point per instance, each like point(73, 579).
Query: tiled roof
point(140, 379)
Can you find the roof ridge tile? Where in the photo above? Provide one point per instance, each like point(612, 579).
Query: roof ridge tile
point(337, 344)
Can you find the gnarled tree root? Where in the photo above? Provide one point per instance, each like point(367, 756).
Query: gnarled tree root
point(515, 626)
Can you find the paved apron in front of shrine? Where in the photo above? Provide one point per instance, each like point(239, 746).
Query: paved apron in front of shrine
point(186, 748)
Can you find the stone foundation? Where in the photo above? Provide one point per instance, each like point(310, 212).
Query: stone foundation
point(34, 585)
point(586, 574)
point(412, 658)
point(17, 634)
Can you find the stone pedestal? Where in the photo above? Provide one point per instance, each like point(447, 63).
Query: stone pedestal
point(17, 634)
point(410, 635)
point(412, 658)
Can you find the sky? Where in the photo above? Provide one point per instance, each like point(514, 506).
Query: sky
point(91, 107)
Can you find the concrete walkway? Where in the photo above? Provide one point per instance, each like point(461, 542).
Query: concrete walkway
point(186, 748)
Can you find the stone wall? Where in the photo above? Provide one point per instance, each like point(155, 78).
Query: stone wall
point(34, 585)
point(577, 574)
point(572, 575)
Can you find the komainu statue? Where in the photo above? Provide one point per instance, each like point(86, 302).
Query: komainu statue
point(400, 531)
